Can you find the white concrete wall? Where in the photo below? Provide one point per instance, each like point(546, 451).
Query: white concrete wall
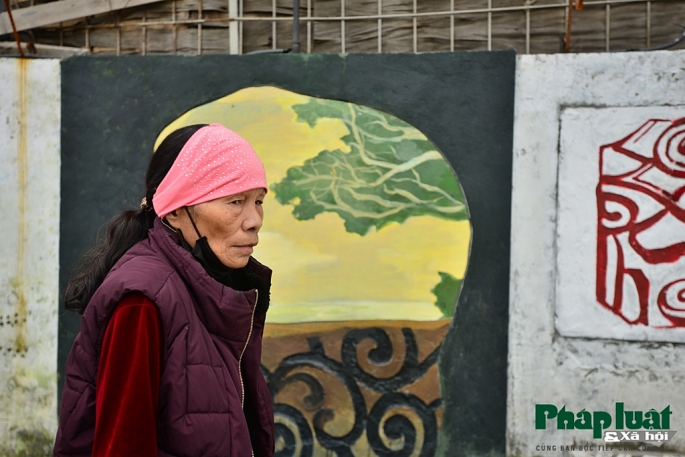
point(29, 261)
point(565, 348)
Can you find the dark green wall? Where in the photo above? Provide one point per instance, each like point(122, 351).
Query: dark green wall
point(114, 108)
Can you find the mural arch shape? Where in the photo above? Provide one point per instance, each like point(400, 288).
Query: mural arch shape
point(366, 228)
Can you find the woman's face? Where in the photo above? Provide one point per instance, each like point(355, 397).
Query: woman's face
point(231, 225)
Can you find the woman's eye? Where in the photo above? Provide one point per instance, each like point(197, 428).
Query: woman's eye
point(259, 202)
point(236, 202)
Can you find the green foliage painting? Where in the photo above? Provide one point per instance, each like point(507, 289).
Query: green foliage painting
point(390, 173)
point(446, 293)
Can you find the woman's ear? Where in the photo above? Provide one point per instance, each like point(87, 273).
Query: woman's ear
point(173, 219)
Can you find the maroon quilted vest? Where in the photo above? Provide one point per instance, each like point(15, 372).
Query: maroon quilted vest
point(213, 399)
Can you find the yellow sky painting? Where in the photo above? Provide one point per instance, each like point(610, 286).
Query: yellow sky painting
point(322, 272)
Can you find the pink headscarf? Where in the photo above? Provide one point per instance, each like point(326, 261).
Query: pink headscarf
point(215, 162)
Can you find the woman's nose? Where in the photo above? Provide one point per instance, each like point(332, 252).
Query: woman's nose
point(254, 218)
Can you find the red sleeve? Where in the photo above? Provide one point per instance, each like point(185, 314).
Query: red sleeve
point(127, 389)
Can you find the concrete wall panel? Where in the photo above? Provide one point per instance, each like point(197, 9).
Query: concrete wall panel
point(618, 192)
point(29, 258)
point(565, 348)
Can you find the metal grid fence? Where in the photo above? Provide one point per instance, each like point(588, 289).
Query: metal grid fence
point(224, 28)
point(452, 13)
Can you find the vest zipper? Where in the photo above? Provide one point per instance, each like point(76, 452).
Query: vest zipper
point(240, 360)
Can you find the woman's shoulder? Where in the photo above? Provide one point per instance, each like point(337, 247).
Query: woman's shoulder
point(142, 258)
point(140, 269)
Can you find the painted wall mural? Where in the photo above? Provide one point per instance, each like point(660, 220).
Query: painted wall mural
point(361, 353)
point(366, 228)
point(639, 222)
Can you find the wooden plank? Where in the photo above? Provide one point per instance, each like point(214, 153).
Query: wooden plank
point(65, 10)
point(42, 50)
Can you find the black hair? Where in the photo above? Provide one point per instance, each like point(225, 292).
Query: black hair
point(125, 229)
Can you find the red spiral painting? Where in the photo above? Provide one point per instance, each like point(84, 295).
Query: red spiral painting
point(641, 225)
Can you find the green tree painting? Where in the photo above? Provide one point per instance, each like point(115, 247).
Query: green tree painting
point(446, 293)
point(391, 172)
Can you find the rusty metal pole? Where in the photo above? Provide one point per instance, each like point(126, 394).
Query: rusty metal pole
point(8, 7)
point(572, 4)
point(569, 20)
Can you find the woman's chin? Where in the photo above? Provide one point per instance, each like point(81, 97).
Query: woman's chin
point(236, 261)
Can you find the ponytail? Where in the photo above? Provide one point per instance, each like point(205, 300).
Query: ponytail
point(126, 229)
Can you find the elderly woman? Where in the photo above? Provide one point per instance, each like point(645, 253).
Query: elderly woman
point(167, 359)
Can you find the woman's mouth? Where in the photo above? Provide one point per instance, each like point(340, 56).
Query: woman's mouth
point(245, 248)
